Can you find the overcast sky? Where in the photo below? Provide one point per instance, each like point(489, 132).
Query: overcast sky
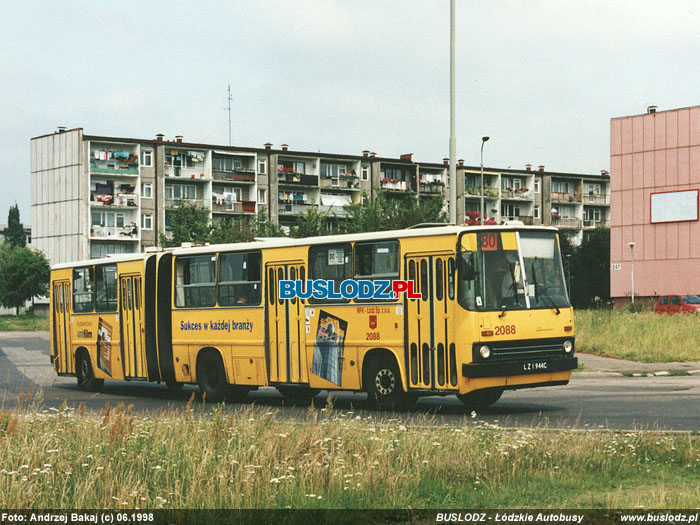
point(541, 78)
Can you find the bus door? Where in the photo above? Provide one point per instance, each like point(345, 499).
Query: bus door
point(131, 326)
point(429, 322)
point(61, 327)
point(286, 327)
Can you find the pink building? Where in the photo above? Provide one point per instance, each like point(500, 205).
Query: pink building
point(655, 178)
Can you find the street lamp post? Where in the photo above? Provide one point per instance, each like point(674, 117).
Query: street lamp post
point(631, 245)
point(483, 141)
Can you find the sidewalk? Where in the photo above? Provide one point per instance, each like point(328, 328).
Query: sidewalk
point(596, 366)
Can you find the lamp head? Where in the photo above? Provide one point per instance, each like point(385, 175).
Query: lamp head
point(631, 245)
point(484, 139)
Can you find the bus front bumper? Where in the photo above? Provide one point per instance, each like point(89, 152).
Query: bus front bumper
point(515, 368)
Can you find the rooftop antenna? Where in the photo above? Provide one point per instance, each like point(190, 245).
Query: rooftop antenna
point(230, 98)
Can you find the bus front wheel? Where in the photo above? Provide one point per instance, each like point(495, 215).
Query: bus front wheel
point(86, 378)
point(384, 388)
point(211, 377)
point(480, 399)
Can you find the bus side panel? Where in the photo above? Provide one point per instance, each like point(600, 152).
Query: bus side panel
point(164, 309)
point(150, 320)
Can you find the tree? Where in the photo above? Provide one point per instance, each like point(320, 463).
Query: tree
point(393, 213)
point(590, 269)
point(14, 233)
point(25, 275)
point(311, 223)
point(231, 230)
point(264, 227)
point(188, 223)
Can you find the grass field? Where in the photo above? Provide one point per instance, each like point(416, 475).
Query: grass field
point(249, 459)
point(23, 323)
point(644, 336)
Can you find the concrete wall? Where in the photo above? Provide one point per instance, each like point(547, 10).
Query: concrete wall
point(655, 152)
point(57, 193)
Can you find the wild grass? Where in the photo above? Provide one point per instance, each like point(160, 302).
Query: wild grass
point(23, 322)
point(644, 336)
point(248, 458)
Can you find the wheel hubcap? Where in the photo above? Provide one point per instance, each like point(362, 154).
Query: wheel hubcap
point(385, 382)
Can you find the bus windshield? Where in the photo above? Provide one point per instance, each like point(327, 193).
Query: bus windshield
point(512, 271)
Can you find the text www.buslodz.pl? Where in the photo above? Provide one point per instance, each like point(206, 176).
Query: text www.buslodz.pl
point(348, 289)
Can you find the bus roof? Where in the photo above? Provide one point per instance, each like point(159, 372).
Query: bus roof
point(309, 241)
point(354, 237)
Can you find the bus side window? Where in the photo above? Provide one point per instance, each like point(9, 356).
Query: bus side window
point(376, 260)
point(83, 289)
point(271, 285)
point(195, 280)
point(439, 281)
point(240, 279)
point(412, 273)
point(424, 279)
point(451, 278)
point(106, 288)
point(331, 262)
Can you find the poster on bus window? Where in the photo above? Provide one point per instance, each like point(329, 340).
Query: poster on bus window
point(328, 348)
point(104, 346)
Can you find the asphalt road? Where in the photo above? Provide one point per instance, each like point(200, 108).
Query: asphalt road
point(655, 403)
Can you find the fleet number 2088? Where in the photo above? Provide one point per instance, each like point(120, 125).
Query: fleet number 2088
point(508, 329)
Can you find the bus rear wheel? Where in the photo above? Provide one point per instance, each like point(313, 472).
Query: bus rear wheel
point(384, 388)
point(86, 378)
point(480, 399)
point(211, 377)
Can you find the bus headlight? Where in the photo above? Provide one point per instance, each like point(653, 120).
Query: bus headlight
point(568, 346)
point(485, 352)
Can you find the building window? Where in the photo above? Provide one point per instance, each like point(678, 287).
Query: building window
point(510, 210)
point(560, 187)
point(509, 183)
point(592, 214)
point(365, 172)
point(536, 213)
point(146, 158)
point(180, 191)
point(537, 185)
point(262, 167)
point(107, 219)
point(147, 190)
point(147, 221)
point(98, 250)
point(262, 196)
point(592, 190)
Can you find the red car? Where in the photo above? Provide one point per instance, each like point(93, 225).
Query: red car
point(674, 304)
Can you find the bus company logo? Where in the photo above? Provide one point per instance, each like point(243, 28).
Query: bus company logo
point(377, 290)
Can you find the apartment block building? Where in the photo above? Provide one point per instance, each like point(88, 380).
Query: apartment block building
point(96, 195)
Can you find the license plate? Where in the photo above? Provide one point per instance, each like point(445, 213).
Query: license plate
point(535, 366)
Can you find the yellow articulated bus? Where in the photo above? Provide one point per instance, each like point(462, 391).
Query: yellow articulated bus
point(470, 311)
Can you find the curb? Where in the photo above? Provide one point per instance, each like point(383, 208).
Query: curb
point(596, 374)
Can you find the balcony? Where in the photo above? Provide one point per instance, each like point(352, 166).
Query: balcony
point(114, 166)
point(432, 188)
point(192, 174)
point(475, 192)
point(120, 200)
point(237, 175)
point(525, 219)
point(292, 178)
point(129, 232)
point(566, 222)
point(590, 223)
point(519, 194)
point(564, 197)
point(603, 199)
point(394, 185)
point(338, 211)
point(286, 208)
point(349, 182)
point(225, 206)
point(171, 204)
